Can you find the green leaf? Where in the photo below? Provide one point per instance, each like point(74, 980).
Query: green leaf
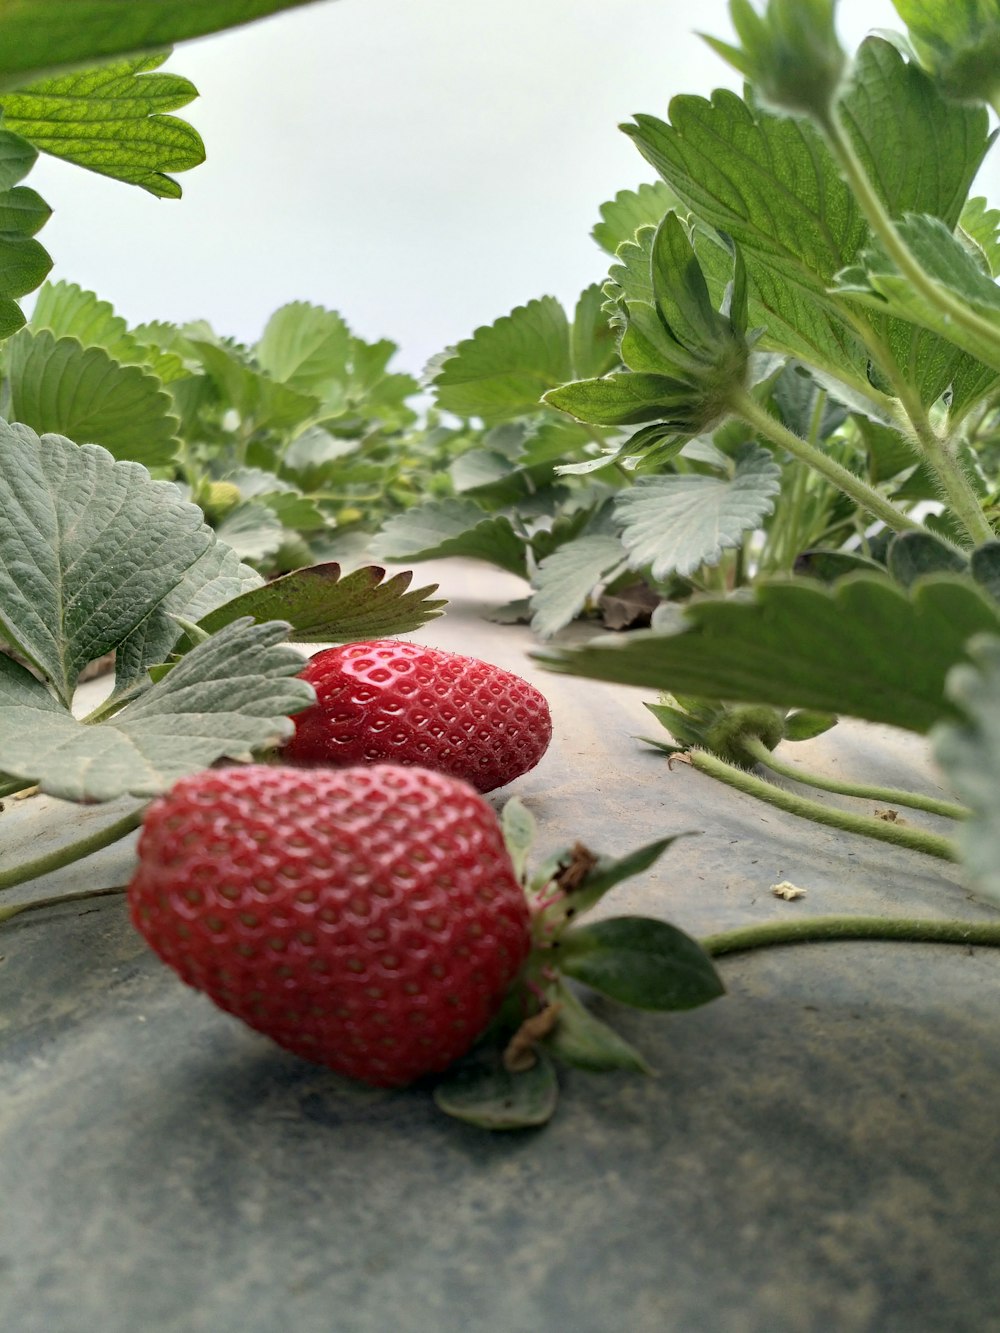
point(88, 548)
point(229, 696)
point(110, 120)
point(770, 183)
point(481, 1092)
point(864, 648)
point(216, 577)
point(60, 386)
point(985, 568)
point(622, 217)
point(959, 42)
point(262, 403)
point(877, 282)
point(641, 962)
point(566, 578)
point(583, 1041)
point(674, 523)
point(37, 36)
point(609, 872)
point(321, 606)
point(519, 829)
point(305, 347)
point(968, 751)
point(912, 555)
point(451, 527)
point(23, 262)
point(982, 225)
point(620, 400)
point(504, 368)
point(594, 347)
point(253, 530)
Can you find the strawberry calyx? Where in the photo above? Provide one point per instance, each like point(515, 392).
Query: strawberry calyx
point(509, 1080)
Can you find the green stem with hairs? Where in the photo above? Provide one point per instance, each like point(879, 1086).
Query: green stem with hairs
point(819, 929)
point(918, 840)
point(937, 452)
point(863, 495)
point(864, 791)
point(15, 909)
point(74, 851)
point(840, 144)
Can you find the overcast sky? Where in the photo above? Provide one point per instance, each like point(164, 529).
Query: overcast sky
point(422, 166)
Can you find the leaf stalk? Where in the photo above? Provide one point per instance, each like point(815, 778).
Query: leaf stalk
point(74, 851)
point(863, 791)
point(819, 929)
point(918, 840)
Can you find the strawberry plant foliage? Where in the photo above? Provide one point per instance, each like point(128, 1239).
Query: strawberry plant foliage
point(97, 557)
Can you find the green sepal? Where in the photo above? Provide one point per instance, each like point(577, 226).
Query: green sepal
point(640, 962)
point(481, 1092)
point(583, 1041)
point(519, 828)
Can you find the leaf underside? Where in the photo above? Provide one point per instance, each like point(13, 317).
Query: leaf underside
point(865, 648)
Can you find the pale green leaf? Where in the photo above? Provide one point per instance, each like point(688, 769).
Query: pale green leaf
point(594, 346)
point(305, 347)
point(88, 548)
point(451, 527)
point(565, 579)
point(674, 523)
point(323, 606)
point(253, 530)
point(519, 829)
point(504, 368)
point(216, 577)
point(37, 36)
point(480, 1091)
point(622, 216)
point(262, 403)
point(982, 225)
point(60, 386)
point(969, 753)
point(231, 695)
point(864, 648)
point(111, 120)
point(959, 40)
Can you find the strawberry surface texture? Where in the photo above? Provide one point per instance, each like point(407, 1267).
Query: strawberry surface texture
point(389, 701)
point(368, 919)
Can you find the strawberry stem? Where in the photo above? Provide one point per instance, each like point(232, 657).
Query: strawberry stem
point(15, 909)
point(74, 851)
point(828, 928)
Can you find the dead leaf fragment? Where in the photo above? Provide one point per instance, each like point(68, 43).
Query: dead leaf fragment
point(788, 891)
point(890, 816)
point(519, 1054)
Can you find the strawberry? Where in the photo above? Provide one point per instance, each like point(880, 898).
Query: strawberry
point(368, 919)
point(397, 702)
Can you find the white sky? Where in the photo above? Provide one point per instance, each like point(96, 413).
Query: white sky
point(422, 166)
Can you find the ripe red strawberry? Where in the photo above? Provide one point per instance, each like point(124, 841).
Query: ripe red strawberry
point(397, 702)
point(368, 919)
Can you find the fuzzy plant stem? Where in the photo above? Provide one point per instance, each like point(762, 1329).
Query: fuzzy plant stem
point(863, 495)
point(840, 144)
point(817, 929)
point(15, 909)
point(881, 830)
point(890, 795)
point(74, 851)
point(12, 787)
